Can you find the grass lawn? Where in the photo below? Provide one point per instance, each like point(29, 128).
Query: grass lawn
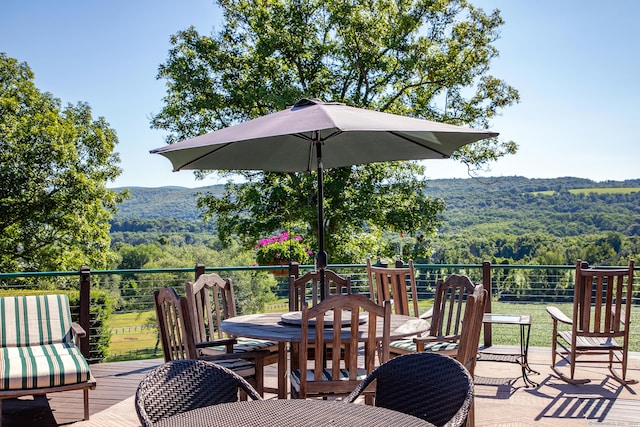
point(131, 336)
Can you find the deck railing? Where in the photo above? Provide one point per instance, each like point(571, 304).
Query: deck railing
point(537, 285)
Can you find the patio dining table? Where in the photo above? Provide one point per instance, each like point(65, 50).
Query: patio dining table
point(283, 328)
point(291, 413)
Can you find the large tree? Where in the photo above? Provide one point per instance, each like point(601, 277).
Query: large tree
point(54, 164)
point(423, 58)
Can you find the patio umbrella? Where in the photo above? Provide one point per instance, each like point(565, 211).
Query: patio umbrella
point(313, 135)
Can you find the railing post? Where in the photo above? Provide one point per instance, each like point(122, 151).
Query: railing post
point(85, 303)
point(294, 269)
point(486, 281)
point(200, 269)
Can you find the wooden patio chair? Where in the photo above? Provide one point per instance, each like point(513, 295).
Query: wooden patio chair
point(339, 376)
point(211, 300)
point(398, 285)
point(598, 331)
point(305, 289)
point(390, 284)
point(445, 314)
point(182, 385)
point(465, 350)
point(176, 336)
point(430, 386)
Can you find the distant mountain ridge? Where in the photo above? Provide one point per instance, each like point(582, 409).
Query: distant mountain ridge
point(164, 202)
point(475, 207)
point(459, 193)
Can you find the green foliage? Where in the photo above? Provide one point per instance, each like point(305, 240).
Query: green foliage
point(419, 58)
point(495, 219)
point(282, 249)
point(100, 309)
point(54, 163)
point(253, 289)
point(101, 305)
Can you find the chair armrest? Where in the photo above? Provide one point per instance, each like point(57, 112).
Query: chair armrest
point(436, 338)
point(623, 319)
point(427, 314)
point(559, 316)
point(77, 332)
point(249, 355)
point(227, 342)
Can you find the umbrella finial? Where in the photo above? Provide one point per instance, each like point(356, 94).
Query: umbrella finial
point(308, 101)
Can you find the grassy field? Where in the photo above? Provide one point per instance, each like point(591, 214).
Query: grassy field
point(131, 336)
point(597, 190)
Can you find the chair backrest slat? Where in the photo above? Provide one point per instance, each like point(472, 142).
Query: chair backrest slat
point(602, 300)
point(310, 281)
point(450, 297)
point(344, 340)
point(471, 327)
point(211, 300)
point(174, 325)
point(390, 284)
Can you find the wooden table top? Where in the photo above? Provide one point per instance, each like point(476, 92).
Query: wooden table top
point(268, 326)
point(291, 413)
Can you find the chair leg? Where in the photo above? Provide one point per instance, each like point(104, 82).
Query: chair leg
point(622, 379)
point(554, 343)
point(86, 404)
point(259, 366)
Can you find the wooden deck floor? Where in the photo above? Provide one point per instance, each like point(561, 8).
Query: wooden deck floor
point(505, 403)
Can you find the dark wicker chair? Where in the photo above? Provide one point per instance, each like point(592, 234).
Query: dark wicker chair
point(431, 386)
point(181, 385)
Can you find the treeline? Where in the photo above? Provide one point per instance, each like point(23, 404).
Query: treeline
point(504, 220)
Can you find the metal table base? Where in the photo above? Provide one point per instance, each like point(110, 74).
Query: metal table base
point(524, 321)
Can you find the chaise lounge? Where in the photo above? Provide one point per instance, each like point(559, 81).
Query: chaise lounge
point(39, 351)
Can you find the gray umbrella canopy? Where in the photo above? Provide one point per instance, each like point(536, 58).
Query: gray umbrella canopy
point(286, 141)
point(313, 135)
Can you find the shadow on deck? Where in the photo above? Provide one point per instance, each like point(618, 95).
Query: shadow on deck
point(505, 402)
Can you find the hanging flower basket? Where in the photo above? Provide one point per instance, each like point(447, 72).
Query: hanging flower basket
point(280, 250)
point(280, 272)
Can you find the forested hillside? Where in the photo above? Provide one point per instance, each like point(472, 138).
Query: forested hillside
point(164, 202)
point(513, 205)
point(506, 219)
point(516, 205)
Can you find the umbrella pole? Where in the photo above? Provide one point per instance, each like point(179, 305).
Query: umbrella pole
point(321, 258)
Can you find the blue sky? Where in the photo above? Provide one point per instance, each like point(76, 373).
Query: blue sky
point(576, 64)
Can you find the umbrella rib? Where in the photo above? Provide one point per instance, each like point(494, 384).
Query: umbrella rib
point(200, 158)
point(444, 156)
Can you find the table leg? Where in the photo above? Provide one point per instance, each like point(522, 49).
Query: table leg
point(524, 351)
point(282, 370)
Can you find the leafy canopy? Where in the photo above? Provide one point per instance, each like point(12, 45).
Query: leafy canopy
point(427, 59)
point(54, 163)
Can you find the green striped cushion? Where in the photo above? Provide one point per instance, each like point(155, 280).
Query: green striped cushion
point(248, 344)
point(242, 345)
point(41, 366)
point(242, 367)
point(326, 376)
point(409, 346)
point(34, 320)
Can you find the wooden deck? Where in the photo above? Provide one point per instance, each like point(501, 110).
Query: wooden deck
point(505, 402)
